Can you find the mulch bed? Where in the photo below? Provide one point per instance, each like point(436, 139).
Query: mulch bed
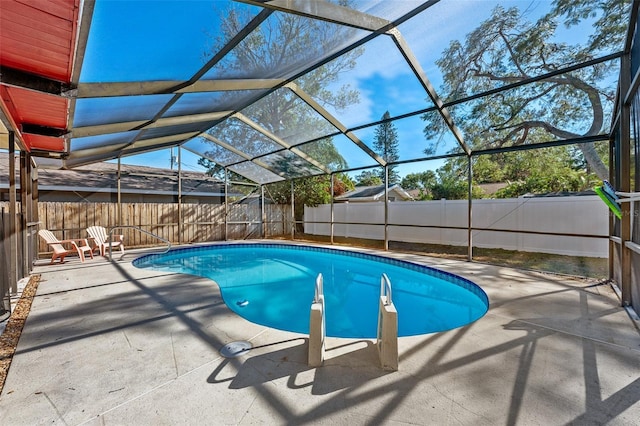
point(11, 334)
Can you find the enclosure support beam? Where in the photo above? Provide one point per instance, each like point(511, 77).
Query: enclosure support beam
point(293, 213)
point(35, 216)
point(624, 183)
point(386, 207)
point(24, 204)
point(417, 69)
point(263, 217)
point(180, 219)
point(119, 209)
point(332, 216)
point(226, 204)
point(334, 121)
point(13, 198)
point(470, 204)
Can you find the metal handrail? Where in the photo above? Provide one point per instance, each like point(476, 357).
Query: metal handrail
point(385, 289)
point(319, 289)
point(141, 230)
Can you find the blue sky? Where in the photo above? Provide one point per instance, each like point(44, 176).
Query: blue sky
point(183, 29)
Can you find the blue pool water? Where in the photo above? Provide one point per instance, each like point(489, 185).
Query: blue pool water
point(274, 285)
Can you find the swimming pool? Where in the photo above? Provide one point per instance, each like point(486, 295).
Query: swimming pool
point(274, 285)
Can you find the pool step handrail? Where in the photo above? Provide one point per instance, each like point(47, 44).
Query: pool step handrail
point(319, 293)
point(385, 289)
point(317, 330)
point(387, 339)
point(141, 230)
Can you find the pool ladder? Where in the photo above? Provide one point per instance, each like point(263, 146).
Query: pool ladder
point(317, 330)
point(387, 341)
point(387, 338)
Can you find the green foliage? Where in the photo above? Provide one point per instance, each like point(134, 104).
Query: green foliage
point(422, 181)
point(559, 169)
point(454, 190)
point(507, 49)
point(418, 180)
point(310, 191)
point(369, 178)
point(453, 182)
point(550, 182)
point(213, 169)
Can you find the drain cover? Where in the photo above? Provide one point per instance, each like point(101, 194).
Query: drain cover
point(234, 349)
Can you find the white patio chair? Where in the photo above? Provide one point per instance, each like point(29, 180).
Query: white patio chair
point(80, 246)
point(100, 238)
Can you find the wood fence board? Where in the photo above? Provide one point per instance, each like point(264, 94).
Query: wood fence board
point(201, 222)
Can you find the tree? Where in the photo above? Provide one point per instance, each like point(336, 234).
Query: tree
point(507, 49)
point(452, 183)
point(422, 181)
point(555, 169)
point(385, 144)
point(369, 178)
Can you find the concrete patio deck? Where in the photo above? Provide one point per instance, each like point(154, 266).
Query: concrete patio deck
point(109, 344)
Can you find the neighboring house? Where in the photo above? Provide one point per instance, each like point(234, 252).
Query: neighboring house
point(99, 183)
point(373, 193)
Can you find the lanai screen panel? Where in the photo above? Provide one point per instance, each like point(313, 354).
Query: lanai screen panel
point(308, 83)
point(282, 46)
point(135, 41)
point(97, 141)
point(374, 79)
point(288, 118)
point(255, 173)
point(486, 45)
point(341, 153)
point(568, 105)
point(207, 102)
point(244, 138)
point(286, 163)
point(210, 150)
point(409, 135)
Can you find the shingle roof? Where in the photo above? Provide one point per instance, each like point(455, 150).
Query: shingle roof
point(102, 177)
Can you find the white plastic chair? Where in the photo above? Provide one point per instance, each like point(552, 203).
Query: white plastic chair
point(100, 238)
point(80, 246)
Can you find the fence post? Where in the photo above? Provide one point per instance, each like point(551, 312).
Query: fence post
point(180, 221)
point(293, 213)
point(469, 223)
point(332, 212)
point(13, 238)
point(5, 276)
point(263, 217)
point(386, 207)
point(226, 203)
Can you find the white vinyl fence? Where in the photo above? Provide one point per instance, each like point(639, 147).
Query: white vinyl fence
point(583, 222)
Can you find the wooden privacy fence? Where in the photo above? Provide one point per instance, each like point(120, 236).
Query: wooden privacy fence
point(199, 222)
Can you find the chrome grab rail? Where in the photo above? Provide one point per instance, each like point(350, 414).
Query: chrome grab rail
point(385, 289)
point(319, 289)
point(141, 230)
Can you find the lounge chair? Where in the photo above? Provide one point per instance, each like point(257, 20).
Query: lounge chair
point(100, 239)
point(80, 246)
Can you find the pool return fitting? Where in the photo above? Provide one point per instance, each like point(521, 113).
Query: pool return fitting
point(387, 338)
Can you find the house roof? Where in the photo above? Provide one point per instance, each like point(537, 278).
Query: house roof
point(372, 193)
point(102, 177)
